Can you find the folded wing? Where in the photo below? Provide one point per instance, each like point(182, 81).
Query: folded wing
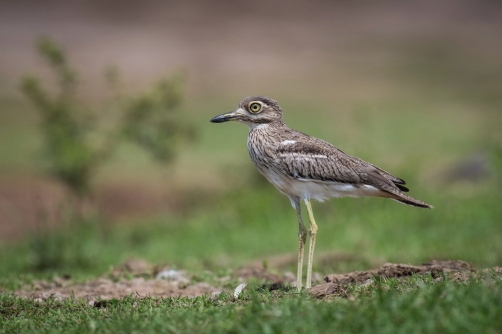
point(317, 160)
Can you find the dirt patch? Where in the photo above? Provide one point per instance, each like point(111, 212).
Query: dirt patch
point(399, 270)
point(170, 283)
point(148, 280)
point(107, 289)
point(335, 283)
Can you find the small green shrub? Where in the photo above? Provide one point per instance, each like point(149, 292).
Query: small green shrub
point(77, 140)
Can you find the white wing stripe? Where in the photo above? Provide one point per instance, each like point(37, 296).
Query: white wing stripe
point(298, 156)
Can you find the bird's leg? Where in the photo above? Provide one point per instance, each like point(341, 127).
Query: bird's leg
point(312, 232)
point(302, 238)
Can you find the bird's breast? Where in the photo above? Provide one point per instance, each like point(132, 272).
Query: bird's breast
point(261, 148)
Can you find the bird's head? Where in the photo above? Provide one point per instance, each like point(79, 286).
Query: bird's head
point(253, 111)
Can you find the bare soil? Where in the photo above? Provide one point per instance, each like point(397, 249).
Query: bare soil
point(399, 270)
point(117, 284)
point(106, 289)
point(335, 283)
point(144, 283)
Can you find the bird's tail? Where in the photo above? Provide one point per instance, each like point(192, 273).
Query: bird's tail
point(392, 187)
point(408, 200)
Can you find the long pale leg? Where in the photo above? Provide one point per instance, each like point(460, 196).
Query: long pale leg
point(302, 238)
point(313, 233)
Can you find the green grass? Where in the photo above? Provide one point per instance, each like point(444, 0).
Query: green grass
point(420, 304)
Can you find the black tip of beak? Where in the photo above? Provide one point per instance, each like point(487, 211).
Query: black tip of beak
point(218, 119)
point(222, 118)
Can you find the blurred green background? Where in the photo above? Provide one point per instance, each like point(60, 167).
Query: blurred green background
point(414, 87)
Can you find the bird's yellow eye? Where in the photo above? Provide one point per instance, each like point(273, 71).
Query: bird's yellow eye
point(255, 107)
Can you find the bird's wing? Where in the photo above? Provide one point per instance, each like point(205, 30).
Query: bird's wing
point(317, 160)
point(307, 161)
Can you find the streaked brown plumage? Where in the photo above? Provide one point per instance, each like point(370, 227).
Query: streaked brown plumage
point(304, 167)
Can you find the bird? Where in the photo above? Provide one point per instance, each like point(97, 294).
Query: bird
point(305, 168)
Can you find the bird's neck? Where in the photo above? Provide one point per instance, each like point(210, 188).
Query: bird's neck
point(267, 126)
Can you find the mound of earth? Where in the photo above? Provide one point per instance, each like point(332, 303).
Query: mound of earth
point(399, 270)
point(335, 282)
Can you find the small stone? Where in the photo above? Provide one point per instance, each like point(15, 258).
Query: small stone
point(173, 276)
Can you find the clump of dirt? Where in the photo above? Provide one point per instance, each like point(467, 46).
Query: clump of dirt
point(335, 283)
point(399, 270)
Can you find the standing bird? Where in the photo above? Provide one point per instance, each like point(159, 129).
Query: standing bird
point(304, 168)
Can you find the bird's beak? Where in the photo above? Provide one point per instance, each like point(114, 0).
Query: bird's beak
point(231, 116)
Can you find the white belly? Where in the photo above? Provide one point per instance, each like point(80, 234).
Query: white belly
point(318, 190)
